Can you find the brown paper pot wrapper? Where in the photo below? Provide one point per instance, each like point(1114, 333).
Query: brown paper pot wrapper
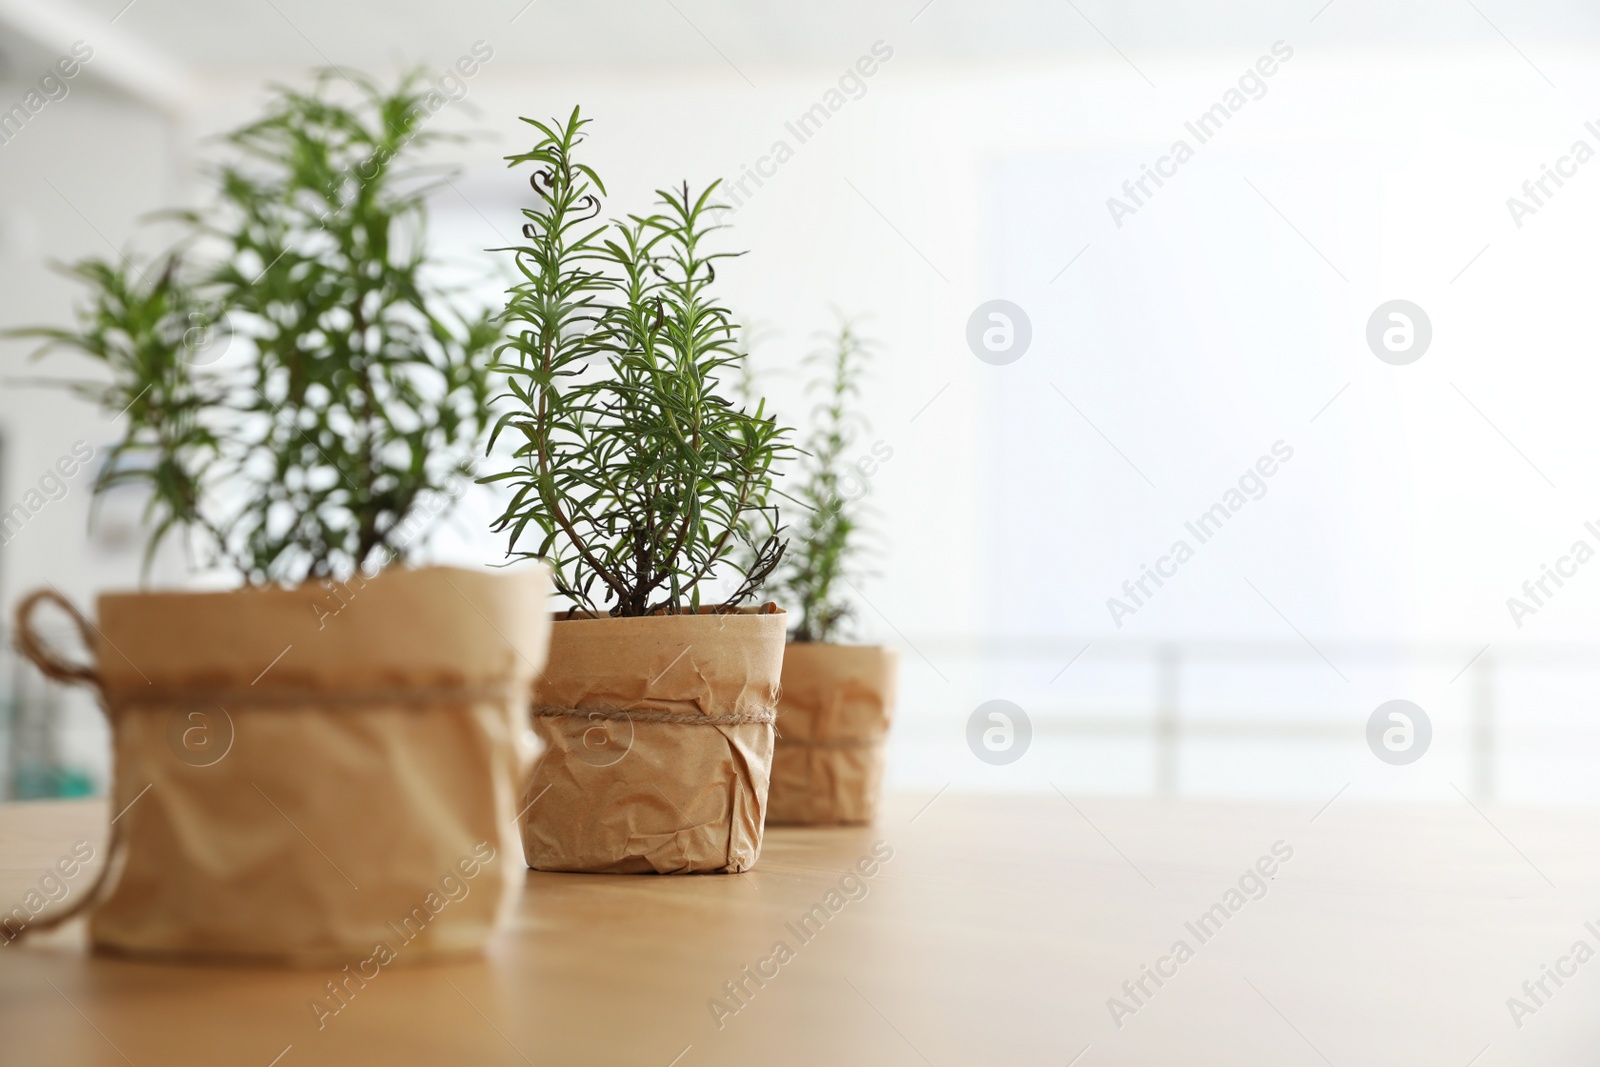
point(305, 774)
point(833, 717)
point(658, 743)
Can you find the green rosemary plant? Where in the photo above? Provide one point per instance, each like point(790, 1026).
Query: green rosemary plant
point(829, 536)
point(634, 477)
point(293, 390)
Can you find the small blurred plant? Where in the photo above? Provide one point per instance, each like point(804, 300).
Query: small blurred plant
point(634, 477)
point(359, 394)
point(829, 536)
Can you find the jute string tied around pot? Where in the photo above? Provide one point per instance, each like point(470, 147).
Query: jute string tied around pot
point(678, 718)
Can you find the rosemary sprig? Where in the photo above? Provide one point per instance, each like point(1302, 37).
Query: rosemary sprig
point(633, 476)
point(353, 396)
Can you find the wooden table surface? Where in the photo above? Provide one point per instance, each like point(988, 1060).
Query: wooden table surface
point(995, 935)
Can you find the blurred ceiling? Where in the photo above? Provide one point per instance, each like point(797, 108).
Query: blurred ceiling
point(173, 39)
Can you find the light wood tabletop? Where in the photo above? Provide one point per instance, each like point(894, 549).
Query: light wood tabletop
point(1002, 930)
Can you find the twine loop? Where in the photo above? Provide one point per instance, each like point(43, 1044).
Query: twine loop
point(32, 644)
point(52, 664)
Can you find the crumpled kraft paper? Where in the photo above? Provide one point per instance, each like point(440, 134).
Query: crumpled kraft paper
point(658, 735)
point(367, 749)
point(833, 717)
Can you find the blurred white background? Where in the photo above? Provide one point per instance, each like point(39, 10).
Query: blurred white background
point(1226, 314)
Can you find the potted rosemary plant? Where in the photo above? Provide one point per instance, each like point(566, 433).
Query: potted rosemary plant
point(837, 698)
point(636, 479)
point(299, 399)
